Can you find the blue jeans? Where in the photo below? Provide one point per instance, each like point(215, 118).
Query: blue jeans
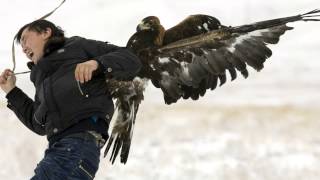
point(70, 158)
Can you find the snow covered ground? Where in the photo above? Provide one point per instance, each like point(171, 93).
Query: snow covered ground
point(262, 128)
point(195, 142)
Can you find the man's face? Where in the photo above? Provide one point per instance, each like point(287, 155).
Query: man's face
point(32, 43)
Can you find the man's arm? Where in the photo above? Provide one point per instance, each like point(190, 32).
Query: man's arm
point(20, 103)
point(116, 62)
point(24, 108)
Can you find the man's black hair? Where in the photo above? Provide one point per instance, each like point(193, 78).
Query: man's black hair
point(56, 40)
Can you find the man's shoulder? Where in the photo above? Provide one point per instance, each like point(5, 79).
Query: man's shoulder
point(83, 39)
point(74, 39)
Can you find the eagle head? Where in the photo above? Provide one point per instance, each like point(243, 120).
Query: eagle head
point(149, 23)
point(151, 28)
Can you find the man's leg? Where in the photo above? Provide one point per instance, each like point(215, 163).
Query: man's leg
point(72, 157)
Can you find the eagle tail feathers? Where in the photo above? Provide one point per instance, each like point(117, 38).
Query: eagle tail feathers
point(129, 96)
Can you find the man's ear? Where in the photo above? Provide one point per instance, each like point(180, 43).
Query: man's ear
point(47, 33)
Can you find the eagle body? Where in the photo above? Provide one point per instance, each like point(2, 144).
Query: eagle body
point(187, 60)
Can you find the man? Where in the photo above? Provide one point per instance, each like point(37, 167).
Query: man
point(72, 106)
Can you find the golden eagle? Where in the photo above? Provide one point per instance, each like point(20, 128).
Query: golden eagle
point(187, 60)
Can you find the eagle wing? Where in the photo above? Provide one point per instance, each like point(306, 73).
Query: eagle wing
point(187, 68)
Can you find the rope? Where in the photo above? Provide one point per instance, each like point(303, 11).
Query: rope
point(49, 14)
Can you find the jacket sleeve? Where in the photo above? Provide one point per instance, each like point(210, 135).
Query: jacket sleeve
point(24, 108)
point(116, 62)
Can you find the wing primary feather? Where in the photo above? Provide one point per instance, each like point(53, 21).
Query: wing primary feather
point(257, 53)
point(212, 82)
point(203, 60)
point(223, 79)
point(244, 52)
point(126, 146)
point(213, 64)
point(245, 73)
point(194, 94)
point(256, 49)
point(217, 62)
point(171, 88)
point(202, 87)
point(196, 71)
point(233, 73)
point(116, 149)
point(261, 46)
point(108, 146)
point(236, 62)
point(225, 64)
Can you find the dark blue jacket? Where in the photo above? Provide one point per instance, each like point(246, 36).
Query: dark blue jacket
point(60, 102)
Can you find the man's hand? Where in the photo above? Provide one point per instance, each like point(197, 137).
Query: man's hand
point(83, 72)
point(7, 81)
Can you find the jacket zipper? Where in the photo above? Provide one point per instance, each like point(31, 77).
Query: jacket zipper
point(84, 170)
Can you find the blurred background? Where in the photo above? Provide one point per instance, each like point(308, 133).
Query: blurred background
point(264, 127)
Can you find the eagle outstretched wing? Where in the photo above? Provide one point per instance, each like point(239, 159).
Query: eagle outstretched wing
point(186, 68)
point(190, 66)
point(190, 58)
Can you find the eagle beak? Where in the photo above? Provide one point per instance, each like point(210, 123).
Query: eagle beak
point(142, 26)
